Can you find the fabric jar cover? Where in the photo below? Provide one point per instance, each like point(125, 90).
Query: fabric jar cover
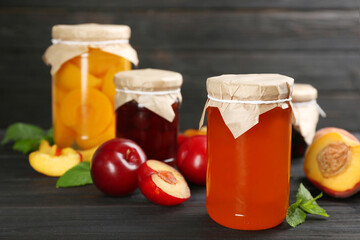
point(70, 41)
point(154, 89)
point(306, 110)
point(242, 98)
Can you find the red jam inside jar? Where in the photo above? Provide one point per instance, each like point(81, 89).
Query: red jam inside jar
point(155, 135)
point(298, 144)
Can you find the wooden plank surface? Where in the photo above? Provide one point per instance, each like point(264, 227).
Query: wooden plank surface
point(81, 4)
point(342, 72)
point(183, 29)
point(339, 86)
point(315, 42)
point(32, 208)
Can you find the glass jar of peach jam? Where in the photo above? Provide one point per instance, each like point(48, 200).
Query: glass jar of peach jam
point(84, 59)
point(249, 135)
point(147, 110)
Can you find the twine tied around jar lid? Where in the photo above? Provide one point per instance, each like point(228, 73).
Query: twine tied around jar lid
point(307, 110)
point(70, 41)
point(242, 98)
point(154, 89)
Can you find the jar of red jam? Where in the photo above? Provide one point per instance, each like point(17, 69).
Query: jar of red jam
point(307, 113)
point(147, 110)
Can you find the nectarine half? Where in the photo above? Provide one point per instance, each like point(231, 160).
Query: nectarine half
point(332, 163)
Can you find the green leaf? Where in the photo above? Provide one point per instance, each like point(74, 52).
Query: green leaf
point(303, 194)
point(26, 145)
point(309, 203)
point(313, 208)
point(19, 131)
point(295, 215)
point(77, 176)
point(305, 203)
point(49, 136)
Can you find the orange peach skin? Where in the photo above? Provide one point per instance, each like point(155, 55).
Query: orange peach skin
point(323, 131)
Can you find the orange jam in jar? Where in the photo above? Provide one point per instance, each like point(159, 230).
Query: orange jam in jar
point(84, 60)
point(249, 140)
point(147, 111)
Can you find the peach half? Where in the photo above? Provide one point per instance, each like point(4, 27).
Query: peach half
point(332, 163)
point(162, 184)
point(343, 132)
point(53, 161)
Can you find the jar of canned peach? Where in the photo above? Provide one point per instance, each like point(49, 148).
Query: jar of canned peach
point(84, 59)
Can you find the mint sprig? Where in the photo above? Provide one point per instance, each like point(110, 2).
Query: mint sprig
point(26, 137)
point(295, 215)
point(305, 203)
point(77, 176)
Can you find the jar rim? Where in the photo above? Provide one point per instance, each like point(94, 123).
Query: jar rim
point(148, 80)
point(304, 93)
point(90, 32)
point(250, 87)
point(149, 92)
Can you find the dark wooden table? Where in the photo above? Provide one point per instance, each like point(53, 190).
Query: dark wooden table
point(31, 207)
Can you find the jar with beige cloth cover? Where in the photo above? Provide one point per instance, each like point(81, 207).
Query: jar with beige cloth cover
point(84, 59)
point(307, 113)
point(249, 137)
point(147, 106)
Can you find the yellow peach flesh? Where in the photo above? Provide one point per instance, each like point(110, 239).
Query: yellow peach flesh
point(54, 166)
point(343, 180)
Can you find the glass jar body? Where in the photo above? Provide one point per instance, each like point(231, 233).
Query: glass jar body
point(298, 144)
point(83, 99)
point(248, 177)
point(155, 135)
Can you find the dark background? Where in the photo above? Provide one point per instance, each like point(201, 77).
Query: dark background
point(313, 41)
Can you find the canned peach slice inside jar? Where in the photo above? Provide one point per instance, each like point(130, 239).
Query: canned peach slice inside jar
point(108, 86)
point(69, 77)
point(99, 62)
point(63, 135)
point(87, 111)
point(85, 142)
